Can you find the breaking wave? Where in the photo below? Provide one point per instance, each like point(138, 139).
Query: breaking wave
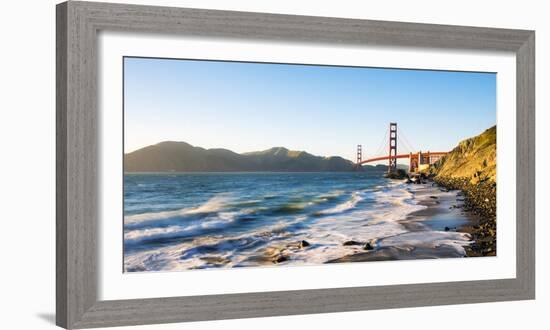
point(345, 206)
point(215, 204)
point(242, 223)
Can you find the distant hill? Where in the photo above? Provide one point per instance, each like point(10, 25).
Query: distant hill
point(173, 156)
point(474, 159)
point(282, 159)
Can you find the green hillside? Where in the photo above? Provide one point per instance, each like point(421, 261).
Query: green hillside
point(282, 159)
point(182, 157)
point(172, 156)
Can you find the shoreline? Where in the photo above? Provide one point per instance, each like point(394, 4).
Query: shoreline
point(479, 199)
point(391, 220)
point(444, 214)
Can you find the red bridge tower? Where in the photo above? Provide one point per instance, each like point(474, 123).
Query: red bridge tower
point(392, 165)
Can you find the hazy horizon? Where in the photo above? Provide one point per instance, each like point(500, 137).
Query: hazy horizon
point(322, 110)
point(273, 147)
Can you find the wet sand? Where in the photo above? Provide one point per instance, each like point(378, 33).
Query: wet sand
point(442, 216)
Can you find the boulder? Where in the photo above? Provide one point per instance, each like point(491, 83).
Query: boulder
point(279, 258)
point(351, 243)
point(302, 244)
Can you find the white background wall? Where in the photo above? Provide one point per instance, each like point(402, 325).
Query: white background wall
point(27, 162)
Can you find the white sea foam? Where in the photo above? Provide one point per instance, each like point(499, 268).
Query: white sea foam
point(347, 205)
point(222, 219)
point(214, 204)
point(379, 219)
point(431, 239)
point(173, 257)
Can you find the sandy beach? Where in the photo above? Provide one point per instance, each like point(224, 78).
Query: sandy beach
point(339, 217)
point(442, 216)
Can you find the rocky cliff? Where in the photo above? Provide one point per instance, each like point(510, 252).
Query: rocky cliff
point(473, 159)
point(471, 167)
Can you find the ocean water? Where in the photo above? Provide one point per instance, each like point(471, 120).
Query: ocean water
point(210, 220)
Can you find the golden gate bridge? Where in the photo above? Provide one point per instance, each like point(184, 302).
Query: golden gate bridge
point(418, 160)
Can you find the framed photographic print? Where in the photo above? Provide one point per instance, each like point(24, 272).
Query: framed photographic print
point(216, 165)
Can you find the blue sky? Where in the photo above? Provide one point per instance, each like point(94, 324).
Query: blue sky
point(324, 110)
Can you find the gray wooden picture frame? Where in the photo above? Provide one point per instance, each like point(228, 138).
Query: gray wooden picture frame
point(78, 24)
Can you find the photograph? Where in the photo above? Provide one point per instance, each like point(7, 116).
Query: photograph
point(249, 164)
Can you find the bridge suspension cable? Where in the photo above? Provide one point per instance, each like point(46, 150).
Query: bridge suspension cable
point(402, 147)
point(405, 146)
point(383, 144)
point(405, 141)
point(415, 157)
